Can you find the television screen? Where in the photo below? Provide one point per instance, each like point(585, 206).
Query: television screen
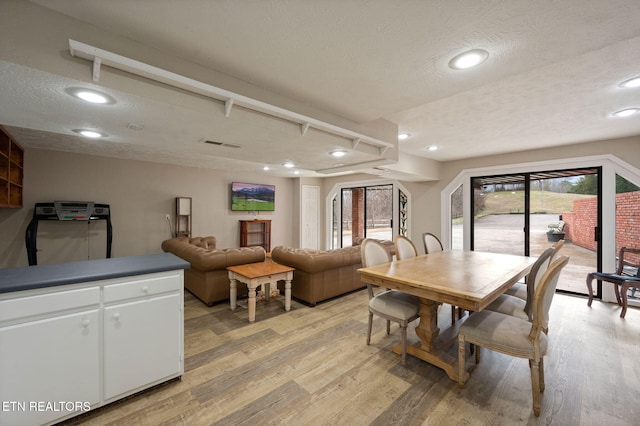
point(252, 197)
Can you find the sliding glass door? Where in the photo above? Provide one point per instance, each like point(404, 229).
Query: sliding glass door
point(366, 212)
point(526, 213)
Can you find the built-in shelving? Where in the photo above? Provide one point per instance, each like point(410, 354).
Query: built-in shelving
point(11, 171)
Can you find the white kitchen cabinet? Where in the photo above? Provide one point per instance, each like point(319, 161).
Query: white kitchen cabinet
point(65, 349)
point(50, 358)
point(142, 342)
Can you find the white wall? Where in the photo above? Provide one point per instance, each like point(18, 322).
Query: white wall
point(140, 194)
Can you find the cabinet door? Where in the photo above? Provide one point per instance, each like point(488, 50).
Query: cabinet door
point(142, 343)
point(52, 361)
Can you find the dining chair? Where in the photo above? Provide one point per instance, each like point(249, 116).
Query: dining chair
point(519, 289)
point(432, 244)
point(404, 247)
point(624, 278)
point(391, 305)
point(515, 306)
point(514, 336)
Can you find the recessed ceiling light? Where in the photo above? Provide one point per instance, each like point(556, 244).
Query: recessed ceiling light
point(89, 133)
point(631, 83)
point(297, 172)
point(91, 96)
point(403, 136)
point(289, 165)
point(433, 148)
point(265, 168)
point(626, 112)
point(338, 153)
point(468, 59)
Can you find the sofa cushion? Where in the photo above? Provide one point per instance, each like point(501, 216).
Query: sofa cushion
point(211, 259)
point(312, 261)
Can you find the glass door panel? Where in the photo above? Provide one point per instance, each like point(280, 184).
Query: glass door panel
point(627, 231)
point(457, 219)
point(499, 214)
point(568, 202)
point(379, 212)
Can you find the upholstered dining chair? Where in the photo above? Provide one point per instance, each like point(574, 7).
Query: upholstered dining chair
point(404, 247)
point(519, 289)
point(515, 306)
point(433, 244)
point(514, 336)
point(621, 278)
point(391, 305)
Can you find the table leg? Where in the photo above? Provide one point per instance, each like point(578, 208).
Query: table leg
point(252, 302)
point(427, 329)
point(287, 295)
point(266, 287)
point(233, 293)
point(433, 344)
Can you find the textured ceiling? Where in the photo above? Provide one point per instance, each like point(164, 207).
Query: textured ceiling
point(551, 77)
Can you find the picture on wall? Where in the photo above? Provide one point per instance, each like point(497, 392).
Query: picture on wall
point(252, 197)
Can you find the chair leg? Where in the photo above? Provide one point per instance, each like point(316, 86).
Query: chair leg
point(623, 296)
point(403, 332)
point(453, 314)
point(617, 290)
point(388, 327)
point(477, 349)
point(541, 375)
point(369, 328)
point(461, 360)
point(590, 288)
point(535, 386)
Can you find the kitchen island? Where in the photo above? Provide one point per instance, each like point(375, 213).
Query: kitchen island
point(79, 335)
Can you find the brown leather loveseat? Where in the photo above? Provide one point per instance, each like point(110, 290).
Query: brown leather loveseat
point(208, 278)
point(322, 274)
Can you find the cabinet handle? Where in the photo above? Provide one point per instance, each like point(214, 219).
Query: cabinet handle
point(145, 289)
point(86, 322)
point(116, 316)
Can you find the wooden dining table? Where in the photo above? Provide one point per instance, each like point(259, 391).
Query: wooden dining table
point(470, 280)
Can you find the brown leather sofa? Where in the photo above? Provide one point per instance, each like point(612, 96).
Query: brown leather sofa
point(208, 278)
point(322, 274)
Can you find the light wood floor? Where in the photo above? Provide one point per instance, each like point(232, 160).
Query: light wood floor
point(311, 366)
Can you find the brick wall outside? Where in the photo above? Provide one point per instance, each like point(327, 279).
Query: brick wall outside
point(580, 223)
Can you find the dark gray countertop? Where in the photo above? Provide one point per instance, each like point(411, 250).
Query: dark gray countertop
point(42, 276)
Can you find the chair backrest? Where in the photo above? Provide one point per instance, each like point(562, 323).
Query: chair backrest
point(544, 295)
point(622, 262)
point(533, 279)
point(404, 247)
point(556, 246)
point(373, 253)
point(431, 243)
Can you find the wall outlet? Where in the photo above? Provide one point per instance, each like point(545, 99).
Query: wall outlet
point(168, 217)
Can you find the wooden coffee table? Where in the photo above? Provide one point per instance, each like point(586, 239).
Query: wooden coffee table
point(256, 274)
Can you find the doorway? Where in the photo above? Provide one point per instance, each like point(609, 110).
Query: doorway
point(367, 211)
point(523, 214)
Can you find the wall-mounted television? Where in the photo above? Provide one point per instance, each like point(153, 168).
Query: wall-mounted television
point(252, 197)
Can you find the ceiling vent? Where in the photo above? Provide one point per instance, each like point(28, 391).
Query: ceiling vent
point(227, 145)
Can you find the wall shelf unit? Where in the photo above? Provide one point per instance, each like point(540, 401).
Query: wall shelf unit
point(255, 233)
point(11, 171)
point(183, 216)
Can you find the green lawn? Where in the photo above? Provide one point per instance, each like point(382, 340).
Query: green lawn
point(541, 202)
